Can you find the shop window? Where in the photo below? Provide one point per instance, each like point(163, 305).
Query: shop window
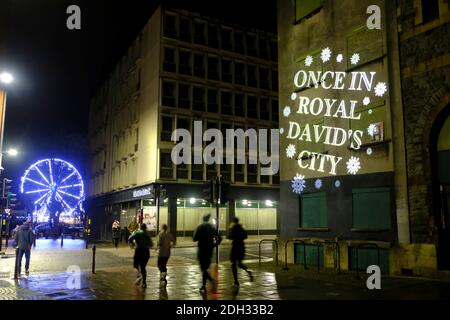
point(227, 39)
point(213, 106)
point(371, 209)
point(252, 107)
point(239, 42)
point(227, 74)
point(251, 45)
point(185, 30)
point(430, 10)
point(213, 68)
point(169, 63)
point(252, 76)
point(213, 37)
point(168, 98)
point(199, 33)
point(313, 212)
point(199, 65)
point(264, 109)
point(275, 111)
point(166, 166)
point(170, 26)
point(166, 128)
point(225, 101)
point(239, 73)
point(184, 99)
point(239, 107)
point(305, 8)
point(199, 98)
point(264, 78)
point(184, 66)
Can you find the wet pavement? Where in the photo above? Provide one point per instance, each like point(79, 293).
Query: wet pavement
point(51, 279)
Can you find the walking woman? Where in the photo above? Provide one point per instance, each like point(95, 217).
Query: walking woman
point(237, 234)
point(143, 243)
point(165, 241)
point(116, 233)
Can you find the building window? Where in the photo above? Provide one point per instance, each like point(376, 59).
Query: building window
point(184, 99)
point(213, 37)
point(166, 166)
point(199, 33)
point(276, 178)
point(199, 98)
point(252, 173)
point(274, 80)
point(170, 26)
point(275, 111)
point(371, 209)
point(169, 63)
point(213, 106)
point(430, 10)
point(227, 73)
point(238, 171)
point(263, 49)
point(304, 8)
point(273, 50)
point(251, 45)
point(185, 30)
point(184, 123)
point(196, 170)
point(264, 109)
point(252, 76)
point(239, 73)
point(227, 39)
point(225, 101)
point(213, 68)
point(166, 128)
point(252, 107)
point(168, 99)
point(239, 42)
point(239, 107)
point(199, 65)
point(211, 171)
point(264, 78)
point(313, 212)
point(184, 62)
point(182, 170)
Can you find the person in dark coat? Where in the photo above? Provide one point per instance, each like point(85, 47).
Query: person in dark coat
point(24, 239)
point(208, 238)
point(237, 234)
point(143, 243)
point(116, 233)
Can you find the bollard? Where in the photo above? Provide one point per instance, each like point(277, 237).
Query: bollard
point(93, 258)
point(87, 243)
point(16, 265)
point(62, 239)
point(7, 240)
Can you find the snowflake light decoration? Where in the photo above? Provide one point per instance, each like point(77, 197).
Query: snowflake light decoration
point(371, 130)
point(339, 58)
point(287, 111)
point(353, 165)
point(366, 101)
point(318, 184)
point(337, 183)
point(298, 183)
point(370, 111)
point(325, 55)
point(290, 151)
point(308, 61)
point(281, 130)
point(355, 58)
point(293, 96)
point(380, 89)
point(369, 151)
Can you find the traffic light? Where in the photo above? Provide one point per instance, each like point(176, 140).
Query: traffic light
point(224, 192)
point(6, 187)
point(208, 191)
point(11, 200)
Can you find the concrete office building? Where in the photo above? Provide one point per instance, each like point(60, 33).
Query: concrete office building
point(183, 67)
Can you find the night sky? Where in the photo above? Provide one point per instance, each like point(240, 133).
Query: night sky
point(57, 70)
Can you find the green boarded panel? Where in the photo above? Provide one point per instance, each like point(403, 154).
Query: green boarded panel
point(444, 167)
point(311, 254)
point(313, 210)
point(303, 8)
point(368, 257)
point(372, 208)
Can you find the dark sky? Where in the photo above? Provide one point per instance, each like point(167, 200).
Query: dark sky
point(57, 70)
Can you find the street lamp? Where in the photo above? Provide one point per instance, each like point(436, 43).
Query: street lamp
point(12, 152)
point(6, 78)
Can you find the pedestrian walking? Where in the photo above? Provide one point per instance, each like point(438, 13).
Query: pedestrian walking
point(143, 243)
point(237, 234)
point(207, 237)
point(132, 227)
point(165, 241)
point(24, 239)
point(116, 233)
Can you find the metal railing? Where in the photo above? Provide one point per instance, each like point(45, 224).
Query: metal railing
point(285, 253)
point(365, 245)
point(276, 249)
point(336, 253)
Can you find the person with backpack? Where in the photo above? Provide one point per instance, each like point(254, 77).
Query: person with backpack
point(143, 242)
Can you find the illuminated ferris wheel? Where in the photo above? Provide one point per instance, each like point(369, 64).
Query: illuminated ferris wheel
point(54, 187)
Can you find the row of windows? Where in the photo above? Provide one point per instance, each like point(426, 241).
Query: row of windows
point(124, 175)
point(220, 37)
point(213, 67)
point(191, 97)
point(125, 145)
point(236, 173)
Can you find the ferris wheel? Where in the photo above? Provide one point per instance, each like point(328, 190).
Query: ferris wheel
point(53, 185)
